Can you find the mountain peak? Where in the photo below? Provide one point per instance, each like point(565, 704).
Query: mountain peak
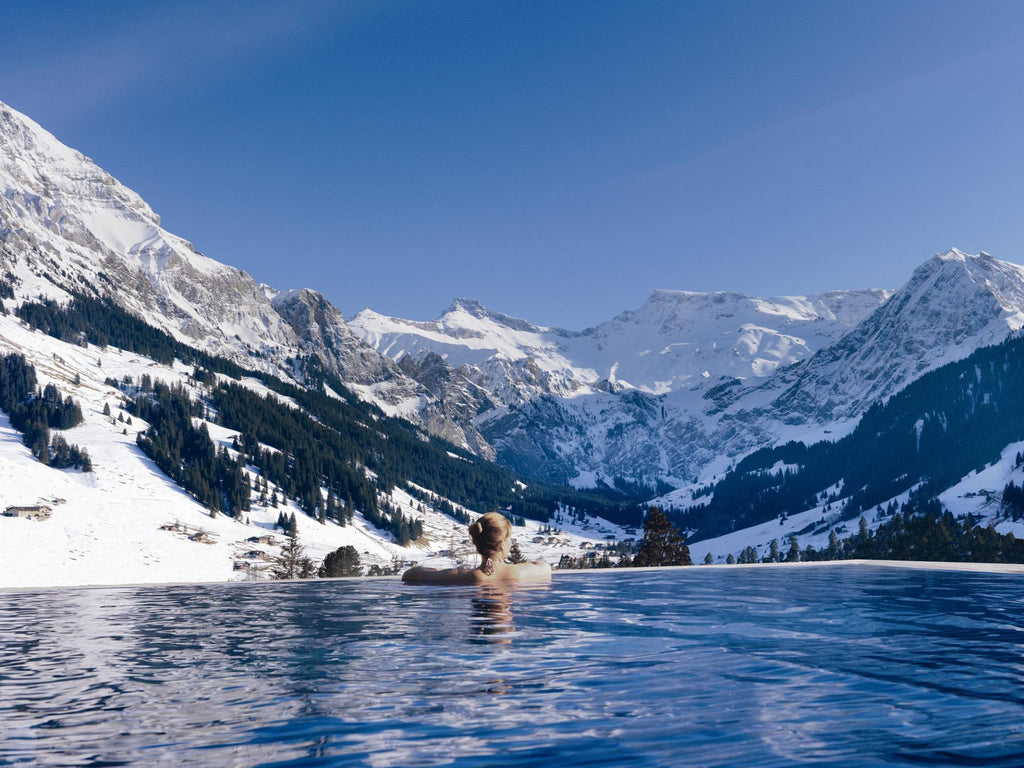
point(978, 273)
point(953, 254)
point(475, 309)
point(956, 256)
point(472, 306)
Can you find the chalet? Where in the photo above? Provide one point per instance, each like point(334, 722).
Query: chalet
point(241, 565)
point(39, 512)
point(265, 539)
point(202, 537)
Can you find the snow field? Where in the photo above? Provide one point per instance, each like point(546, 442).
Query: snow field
point(107, 527)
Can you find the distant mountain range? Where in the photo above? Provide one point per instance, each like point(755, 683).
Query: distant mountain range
point(689, 382)
point(657, 401)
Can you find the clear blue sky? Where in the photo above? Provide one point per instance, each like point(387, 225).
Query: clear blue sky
point(556, 160)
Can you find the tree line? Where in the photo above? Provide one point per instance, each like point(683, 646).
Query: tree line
point(935, 431)
point(394, 450)
point(34, 412)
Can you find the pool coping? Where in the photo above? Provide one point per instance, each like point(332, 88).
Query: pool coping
point(927, 565)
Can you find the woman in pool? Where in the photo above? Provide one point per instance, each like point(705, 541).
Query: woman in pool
point(492, 536)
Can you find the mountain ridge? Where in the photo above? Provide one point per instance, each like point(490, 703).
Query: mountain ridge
point(662, 393)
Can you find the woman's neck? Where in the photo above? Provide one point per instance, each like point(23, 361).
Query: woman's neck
point(497, 564)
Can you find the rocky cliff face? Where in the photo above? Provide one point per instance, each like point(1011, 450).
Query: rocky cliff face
point(67, 226)
point(637, 398)
point(689, 382)
point(953, 304)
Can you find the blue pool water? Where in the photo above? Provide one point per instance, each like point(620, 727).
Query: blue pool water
point(842, 665)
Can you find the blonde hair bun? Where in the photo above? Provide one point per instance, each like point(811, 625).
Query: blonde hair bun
point(489, 533)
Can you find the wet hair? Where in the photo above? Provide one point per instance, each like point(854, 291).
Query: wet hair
point(488, 534)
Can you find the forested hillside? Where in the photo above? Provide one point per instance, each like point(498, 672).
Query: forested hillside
point(317, 443)
point(935, 431)
point(34, 412)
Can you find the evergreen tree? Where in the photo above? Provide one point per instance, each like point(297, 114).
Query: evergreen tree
point(293, 563)
point(567, 563)
point(662, 544)
point(835, 548)
point(515, 554)
point(343, 561)
point(793, 555)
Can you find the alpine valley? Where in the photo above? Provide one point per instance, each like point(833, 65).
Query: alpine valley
point(166, 416)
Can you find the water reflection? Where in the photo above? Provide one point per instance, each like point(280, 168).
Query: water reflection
point(839, 666)
point(491, 617)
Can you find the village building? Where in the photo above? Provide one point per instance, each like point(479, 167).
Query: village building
point(39, 512)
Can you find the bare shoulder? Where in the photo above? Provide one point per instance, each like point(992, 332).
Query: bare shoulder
point(535, 571)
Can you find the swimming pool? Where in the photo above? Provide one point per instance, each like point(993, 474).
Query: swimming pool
point(834, 665)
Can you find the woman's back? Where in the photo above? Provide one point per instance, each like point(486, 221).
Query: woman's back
point(506, 573)
point(492, 536)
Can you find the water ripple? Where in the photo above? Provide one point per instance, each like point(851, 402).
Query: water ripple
point(834, 666)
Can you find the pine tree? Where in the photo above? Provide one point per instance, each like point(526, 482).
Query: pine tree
point(835, 549)
point(293, 563)
point(515, 554)
point(662, 544)
point(708, 559)
point(344, 561)
point(793, 555)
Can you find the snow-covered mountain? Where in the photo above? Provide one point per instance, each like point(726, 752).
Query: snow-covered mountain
point(953, 304)
point(673, 392)
point(67, 227)
point(627, 398)
point(678, 389)
point(677, 339)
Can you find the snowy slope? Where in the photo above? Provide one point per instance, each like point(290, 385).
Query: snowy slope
point(106, 526)
point(67, 226)
point(977, 494)
point(682, 387)
point(953, 304)
point(676, 339)
point(631, 397)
